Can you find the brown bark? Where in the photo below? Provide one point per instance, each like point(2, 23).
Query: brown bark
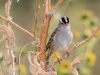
point(44, 32)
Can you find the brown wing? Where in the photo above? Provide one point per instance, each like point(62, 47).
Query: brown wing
point(51, 39)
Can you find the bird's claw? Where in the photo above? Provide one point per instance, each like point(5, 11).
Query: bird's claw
point(59, 60)
point(67, 52)
point(47, 62)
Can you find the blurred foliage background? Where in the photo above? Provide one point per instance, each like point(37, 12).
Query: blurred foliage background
point(84, 18)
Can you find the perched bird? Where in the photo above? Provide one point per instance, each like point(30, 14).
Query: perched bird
point(60, 39)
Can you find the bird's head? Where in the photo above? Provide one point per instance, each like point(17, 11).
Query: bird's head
point(64, 21)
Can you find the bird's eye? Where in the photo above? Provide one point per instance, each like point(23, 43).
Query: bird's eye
point(62, 23)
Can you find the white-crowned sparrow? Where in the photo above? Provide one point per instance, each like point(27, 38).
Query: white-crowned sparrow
point(60, 39)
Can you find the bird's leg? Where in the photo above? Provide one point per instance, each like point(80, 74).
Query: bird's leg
point(67, 52)
point(47, 62)
point(52, 68)
point(58, 59)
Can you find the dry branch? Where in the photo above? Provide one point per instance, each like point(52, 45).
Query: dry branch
point(9, 35)
point(7, 9)
point(36, 18)
point(77, 45)
point(46, 21)
point(17, 26)
point(44, 31)
point(75, 63)
point(55, 7)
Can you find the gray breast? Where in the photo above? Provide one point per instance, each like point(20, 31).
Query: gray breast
point(62, 40)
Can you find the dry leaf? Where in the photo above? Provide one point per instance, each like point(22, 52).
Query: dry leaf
point(36, 42)
point(11, 70)
point(75, 63)
point(7, 60)
point(10, 36)
point(35, 67)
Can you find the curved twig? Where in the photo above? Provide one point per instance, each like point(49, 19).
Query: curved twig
point(20, 55)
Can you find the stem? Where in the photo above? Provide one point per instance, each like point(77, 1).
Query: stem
point(14, 24)
point(55, 7)
point(36, 18)
point(43, 36)
point(12, 60)
point(20, 56)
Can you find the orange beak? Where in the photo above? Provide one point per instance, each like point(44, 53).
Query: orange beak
point(66, 24)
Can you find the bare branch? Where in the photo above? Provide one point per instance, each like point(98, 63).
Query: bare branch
point(44, 32)
point(7, 9)
point(14, 24)
point(77, 45)
point(36, 18)
point(55, 7)
point(75, 63)
point(86, 40)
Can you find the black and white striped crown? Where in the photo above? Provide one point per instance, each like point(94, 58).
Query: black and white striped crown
point(64, 20)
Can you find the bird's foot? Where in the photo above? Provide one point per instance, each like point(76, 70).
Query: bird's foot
point(47, 62)
point(67, 53)
point(59, 60)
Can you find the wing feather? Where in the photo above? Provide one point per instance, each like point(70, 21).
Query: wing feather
point(51, 39)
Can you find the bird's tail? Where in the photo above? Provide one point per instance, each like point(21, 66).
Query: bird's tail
point(49, 53)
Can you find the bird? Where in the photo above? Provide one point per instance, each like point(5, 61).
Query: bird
point(60, 39)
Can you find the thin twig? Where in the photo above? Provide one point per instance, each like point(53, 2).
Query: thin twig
point(20, 55)
point(55, 7)
point(35, 43)
point(77, 45)
point(16, 25)
point(68, 3)
point(12, 59)
point(7, 73)
point(36, 18)
point(7, 9)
